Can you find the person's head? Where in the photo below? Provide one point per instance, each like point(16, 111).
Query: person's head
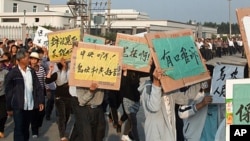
point(11, 42)
point(34, 58)
point(22, 57)
point(1, 44)
point(40, 52)
point(30, 42)
point(13, 49)
point(210, 68)
point(7, 56)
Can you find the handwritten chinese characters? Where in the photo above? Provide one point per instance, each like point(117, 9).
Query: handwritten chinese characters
point(60, 44)
point(41, 37)
point(104, 66)
point(221, 74)
point(178, 57)
point(241, 104)
point(96, 63)
point(136, 52)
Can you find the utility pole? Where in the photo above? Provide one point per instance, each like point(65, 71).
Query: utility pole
point(108, 16)
point(78, 10)
point(89, 16)
point(230, 26)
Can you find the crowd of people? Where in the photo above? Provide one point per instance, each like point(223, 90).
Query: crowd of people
point(31, 85)
point(218, 47)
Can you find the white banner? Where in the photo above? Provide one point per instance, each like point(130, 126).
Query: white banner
point(41, 38)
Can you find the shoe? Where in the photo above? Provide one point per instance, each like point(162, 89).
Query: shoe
point(1, 135)
point(34, 136)
point(64, 139)
point(125, 138)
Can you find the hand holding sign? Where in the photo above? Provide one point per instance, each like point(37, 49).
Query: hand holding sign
point(93, 87)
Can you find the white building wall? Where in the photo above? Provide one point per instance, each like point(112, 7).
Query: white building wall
point(1, 6)
point(59, 8)
point(53, 19)
point(25, 5)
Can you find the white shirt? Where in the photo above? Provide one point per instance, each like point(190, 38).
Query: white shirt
point(230, 43)
point(199, 44)
point(239, 43)
point(28, 88)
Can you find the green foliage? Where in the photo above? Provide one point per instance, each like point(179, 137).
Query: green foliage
point(223, 28)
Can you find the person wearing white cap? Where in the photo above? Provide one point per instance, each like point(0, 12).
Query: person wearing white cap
point(40, 72)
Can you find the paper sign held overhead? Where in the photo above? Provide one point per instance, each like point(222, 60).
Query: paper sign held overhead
point(41, 37)
point(176, 54)
point(244, 26)
point(136, 52)
point(93, 39)
point(93, 63)
point(61, 42)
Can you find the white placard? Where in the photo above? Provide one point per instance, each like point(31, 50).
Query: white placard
point(246, 23)
point(221, 73)
point(41, 38)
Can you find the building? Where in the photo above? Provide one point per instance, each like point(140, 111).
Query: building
point(33, 13)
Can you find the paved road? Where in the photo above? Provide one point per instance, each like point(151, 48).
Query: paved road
point(49, 131)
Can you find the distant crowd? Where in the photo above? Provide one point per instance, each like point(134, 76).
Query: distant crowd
point(210, 48)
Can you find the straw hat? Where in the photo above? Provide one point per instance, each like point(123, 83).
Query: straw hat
point(34, 55)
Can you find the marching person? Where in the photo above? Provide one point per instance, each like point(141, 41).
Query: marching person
point(23, 95)
point(3, 111)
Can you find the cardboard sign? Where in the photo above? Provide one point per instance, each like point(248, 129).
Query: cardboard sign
point(61, 42)
point(136, 52)
point(244, 25)
point(221, 73)
point(93, 39)
point(237, 103)
point(41, 37)
point(176, 54)
point(93, 63)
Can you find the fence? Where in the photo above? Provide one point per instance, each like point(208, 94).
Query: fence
point(15, 32)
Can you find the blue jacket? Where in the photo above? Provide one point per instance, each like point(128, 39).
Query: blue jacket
point(14, 90)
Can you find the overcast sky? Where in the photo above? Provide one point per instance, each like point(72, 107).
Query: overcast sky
point(180, 10)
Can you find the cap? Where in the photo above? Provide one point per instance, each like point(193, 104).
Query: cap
point(34, 55)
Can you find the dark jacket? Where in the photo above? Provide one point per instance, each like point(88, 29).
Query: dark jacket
point(130, 83)
point(14, 90)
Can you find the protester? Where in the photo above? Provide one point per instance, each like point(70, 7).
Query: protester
point(40, 72)
point(87, 105)
point(23, 95)
point(62, 96)
point(159, 107)
point(8, 65)
point(130, 100)
point(90, 122)
point(3, 111)
point(114, 102)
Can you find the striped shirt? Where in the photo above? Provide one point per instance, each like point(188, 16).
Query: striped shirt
point(41, 76)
